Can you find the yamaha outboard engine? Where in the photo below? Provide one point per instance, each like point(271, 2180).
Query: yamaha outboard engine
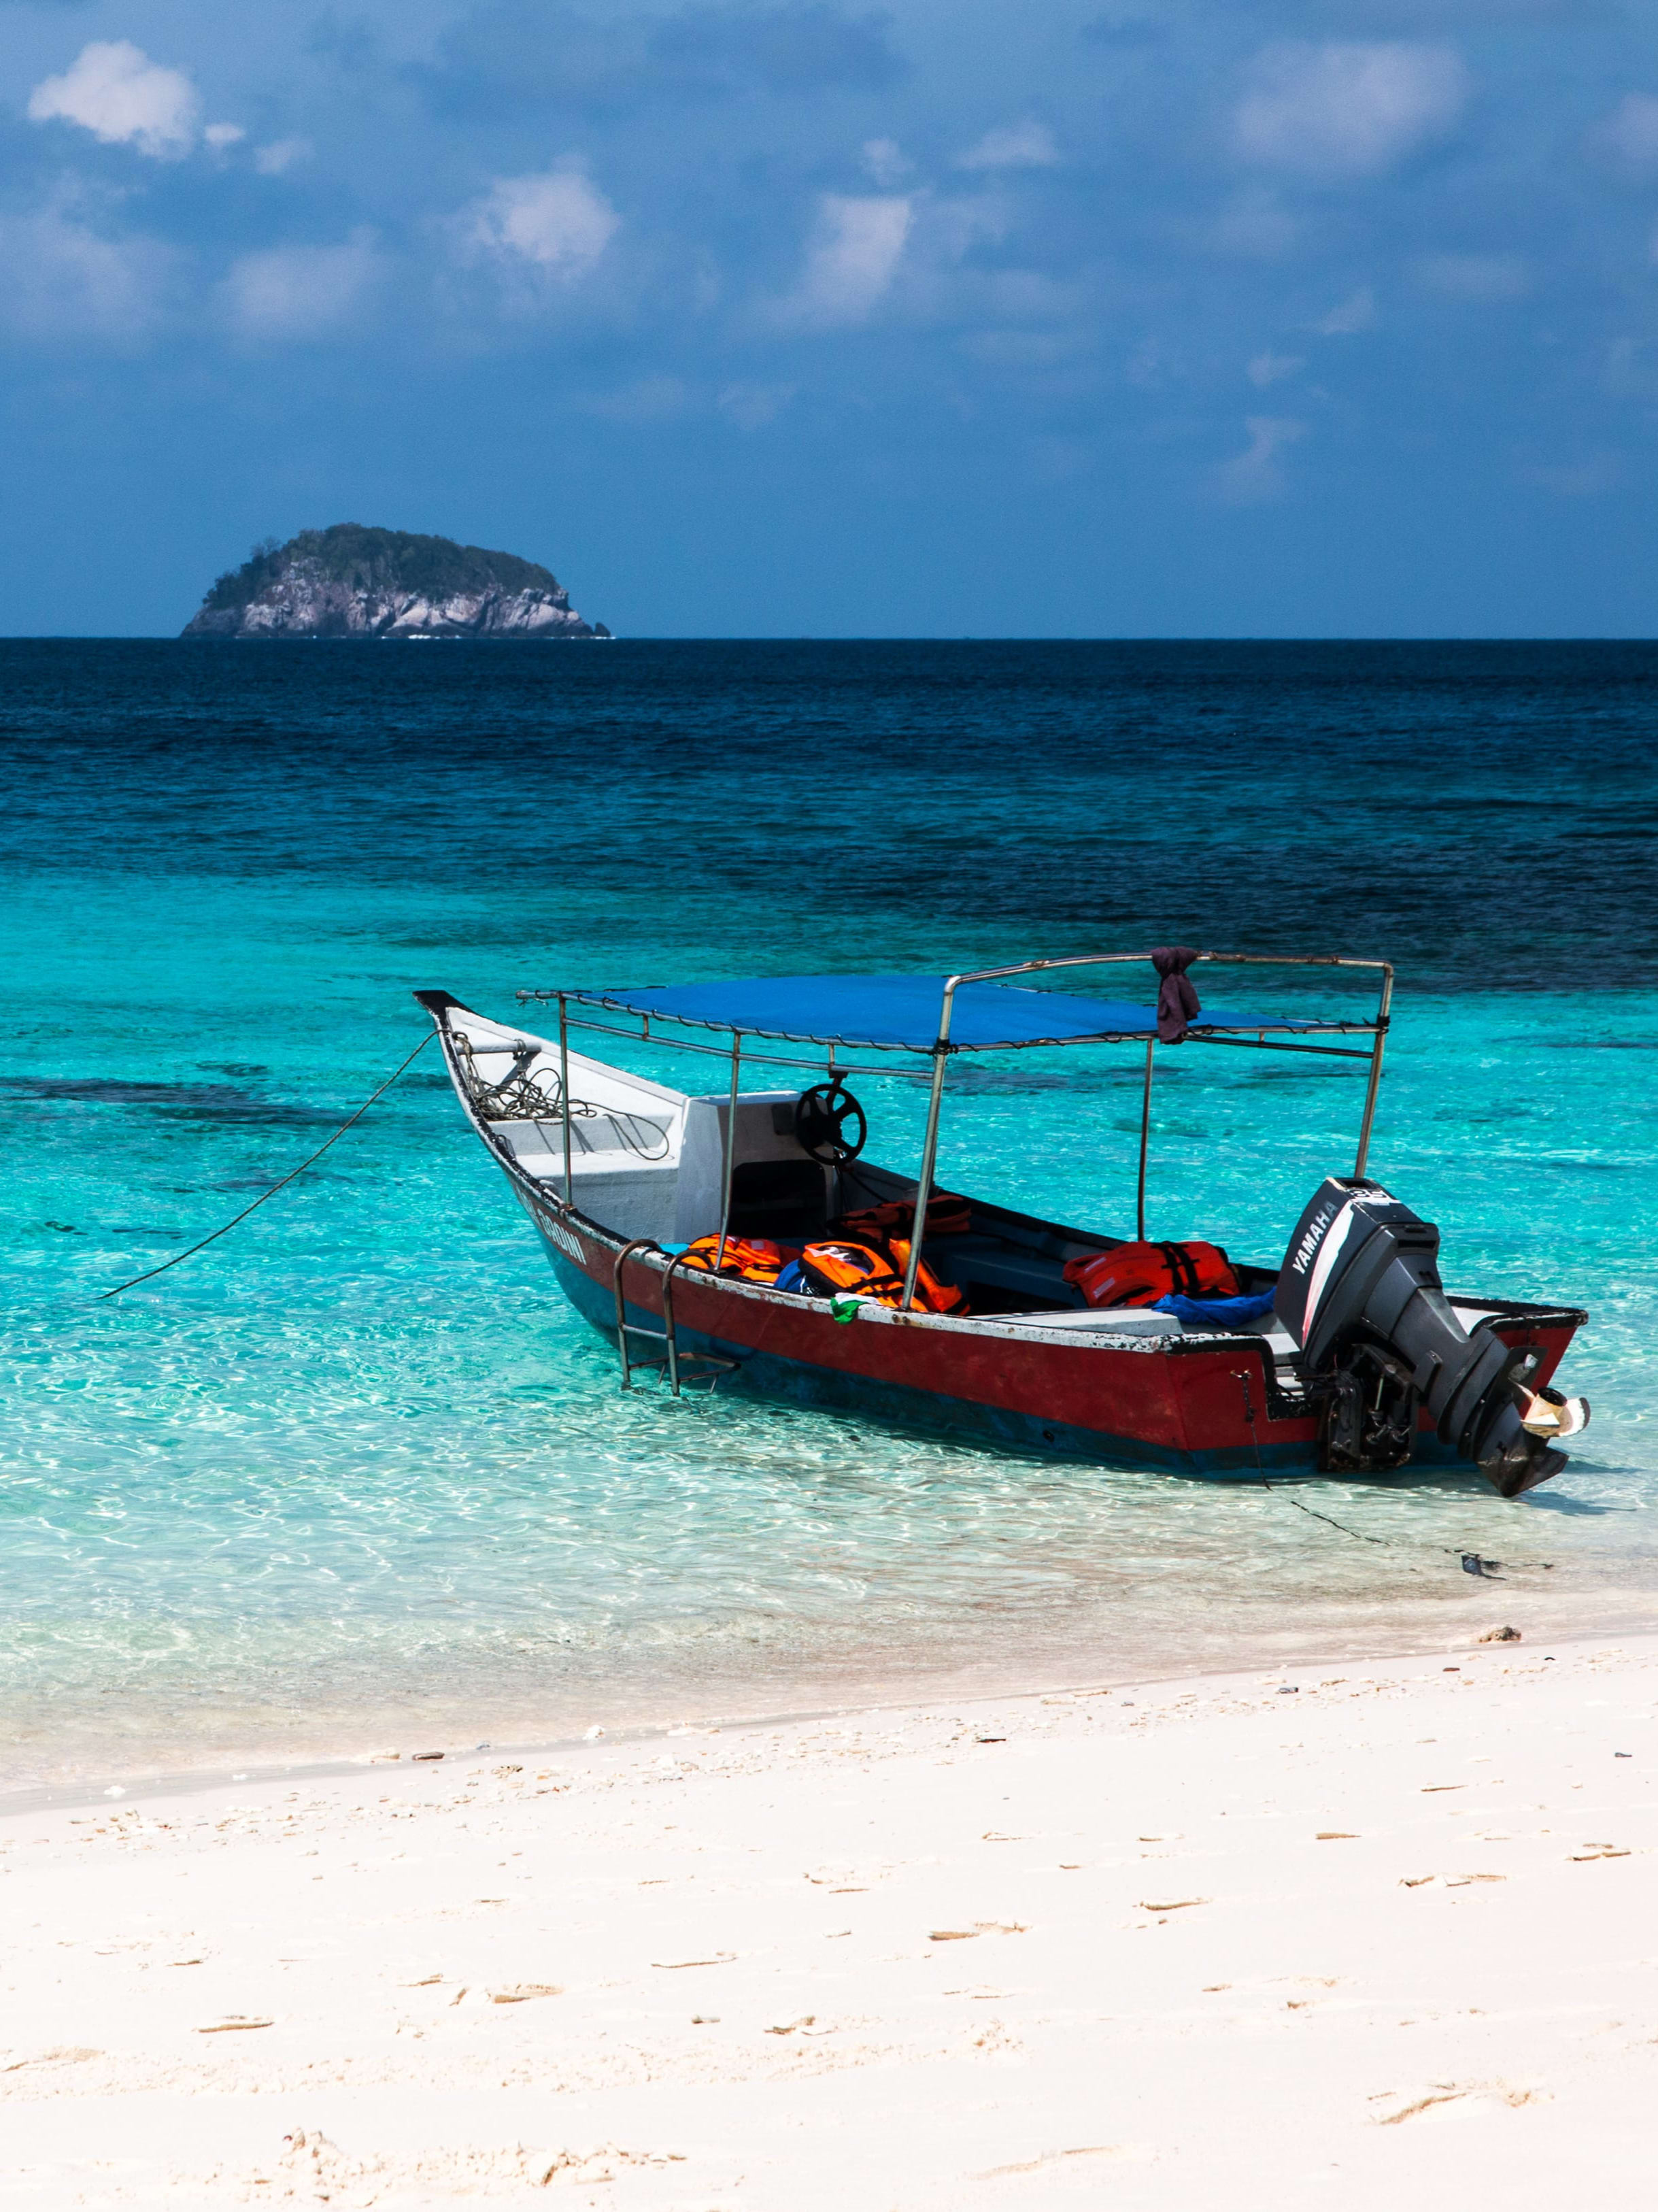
point(1360, 1293)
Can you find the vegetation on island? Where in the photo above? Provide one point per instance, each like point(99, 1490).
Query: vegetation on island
point(366, 559)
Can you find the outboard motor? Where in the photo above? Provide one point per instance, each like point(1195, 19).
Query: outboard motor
point(1360, 1293)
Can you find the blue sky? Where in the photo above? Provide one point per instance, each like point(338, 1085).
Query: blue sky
point(1076, 318)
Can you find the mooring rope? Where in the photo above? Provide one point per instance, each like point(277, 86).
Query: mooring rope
point(1472, 1563)
point(274, 1187)
point(1359, 1534)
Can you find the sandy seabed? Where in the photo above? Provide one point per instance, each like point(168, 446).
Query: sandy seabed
point(1356, 1936)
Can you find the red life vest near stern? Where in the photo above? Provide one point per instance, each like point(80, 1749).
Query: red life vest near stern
point(1140, 1274)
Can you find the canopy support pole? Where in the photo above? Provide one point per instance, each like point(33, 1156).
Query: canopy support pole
point(924, 1188)
point(731, 1155)
point(1375, 1083)
point(564, 1085)
point(929, 1148)
point(1145, 1135)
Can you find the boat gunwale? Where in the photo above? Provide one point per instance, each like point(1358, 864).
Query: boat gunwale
point(996, 1327)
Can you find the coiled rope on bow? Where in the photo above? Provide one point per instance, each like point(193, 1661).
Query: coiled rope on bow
point(274, 1187)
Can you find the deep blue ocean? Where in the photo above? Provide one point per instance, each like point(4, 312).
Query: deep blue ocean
point(355, 1476)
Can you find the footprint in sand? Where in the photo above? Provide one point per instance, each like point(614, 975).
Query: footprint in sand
point(1048, 2158)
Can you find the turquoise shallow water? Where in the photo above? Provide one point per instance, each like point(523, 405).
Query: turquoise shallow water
point(356, 1474)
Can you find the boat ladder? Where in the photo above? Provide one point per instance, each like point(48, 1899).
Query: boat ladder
point(708, 1365)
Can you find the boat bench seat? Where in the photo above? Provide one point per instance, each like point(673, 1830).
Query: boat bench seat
point(977, 1258)
point(1098, 1321)
point(629, 1136)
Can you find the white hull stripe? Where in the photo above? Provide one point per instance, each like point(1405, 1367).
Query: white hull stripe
point(1335, 1237)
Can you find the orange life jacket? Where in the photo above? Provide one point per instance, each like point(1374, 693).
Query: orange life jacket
point(931, 1294)
point(865, 1269)
point(1139, 1274)
point(750, 1258)
point(947, 1215)
point(872, 1270)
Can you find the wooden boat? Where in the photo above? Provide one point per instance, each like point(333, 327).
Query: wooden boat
point(1361, 1364)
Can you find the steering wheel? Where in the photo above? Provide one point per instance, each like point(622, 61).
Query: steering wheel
point(822, 1117)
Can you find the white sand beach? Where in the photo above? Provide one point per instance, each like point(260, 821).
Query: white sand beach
point(1358, 1936)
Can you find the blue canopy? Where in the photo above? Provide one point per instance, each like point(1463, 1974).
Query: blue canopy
point(899, 1013)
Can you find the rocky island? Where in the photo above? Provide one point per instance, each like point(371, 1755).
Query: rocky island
point(352, 581)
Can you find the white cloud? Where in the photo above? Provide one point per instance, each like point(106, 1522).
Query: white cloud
point(300, 292)
point(886, 162)
point(60, 278)
point(1254, 228)
point(221, 134)
point(949, 229)
point(1630, 133)
point(1483, 278)
point(556, 224)
point(1255, 474)
point(1014, 146)
point(281, 154)
point(853, 260)
point(646, 400)
point(1150, 365)
point(1350, 316)
point(751, 406)
point(1346, 110)
point(1272, 367)
point(114, 90)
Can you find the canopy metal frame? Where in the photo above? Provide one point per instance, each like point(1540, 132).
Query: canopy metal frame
point(1250, 1036)
point(1377, 1031)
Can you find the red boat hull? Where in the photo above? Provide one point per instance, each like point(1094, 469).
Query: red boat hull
point(1201, 1404)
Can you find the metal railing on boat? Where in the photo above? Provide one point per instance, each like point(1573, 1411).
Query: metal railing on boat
point(676, 1363)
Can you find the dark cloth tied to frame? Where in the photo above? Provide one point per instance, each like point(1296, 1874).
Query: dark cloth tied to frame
point(1177, 998)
